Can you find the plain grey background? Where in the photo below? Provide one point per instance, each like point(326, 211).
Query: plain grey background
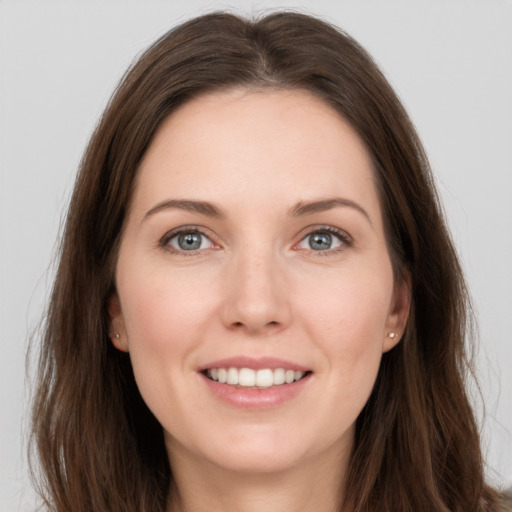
point(449, 60)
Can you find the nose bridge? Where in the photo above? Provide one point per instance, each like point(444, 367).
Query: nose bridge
point(256, 298)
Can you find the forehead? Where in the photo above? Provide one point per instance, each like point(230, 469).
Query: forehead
point(259, 146)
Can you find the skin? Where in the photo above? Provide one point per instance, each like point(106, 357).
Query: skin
point(256, 288)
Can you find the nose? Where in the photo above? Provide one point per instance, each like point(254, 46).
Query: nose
point(256, 295)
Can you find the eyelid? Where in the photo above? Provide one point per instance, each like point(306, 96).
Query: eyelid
point(163, 242)
point(344, 237)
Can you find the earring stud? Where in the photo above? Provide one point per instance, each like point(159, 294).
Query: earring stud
point(117, 336)
point(391, 335)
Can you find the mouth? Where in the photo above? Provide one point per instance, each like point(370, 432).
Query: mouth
point(248, 378)
point(255, 383)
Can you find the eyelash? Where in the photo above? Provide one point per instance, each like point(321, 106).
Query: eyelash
point(344, 238)
point(164, 241)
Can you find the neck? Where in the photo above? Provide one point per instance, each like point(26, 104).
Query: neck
point(311, 487)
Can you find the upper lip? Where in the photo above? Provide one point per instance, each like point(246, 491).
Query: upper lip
point(255, 364)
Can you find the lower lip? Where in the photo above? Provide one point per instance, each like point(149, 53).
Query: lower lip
point(265, 398)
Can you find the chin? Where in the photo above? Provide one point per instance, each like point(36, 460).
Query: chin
point(250, 461)
point(246, 450)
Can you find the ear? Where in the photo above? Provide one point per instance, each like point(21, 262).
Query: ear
point(117, 331)
point(399, 312)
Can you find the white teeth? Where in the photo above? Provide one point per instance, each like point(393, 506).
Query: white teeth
point(278, 376)
point(264, 378)
point(247, 377)
point(289, 376)
point(232, 377)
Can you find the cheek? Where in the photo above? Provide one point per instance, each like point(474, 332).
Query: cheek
point(154, 313)
point(350, 305)
point(353, 349)
point(167, 313)
point(347, 323)
point(163, 321)
point(160, 307)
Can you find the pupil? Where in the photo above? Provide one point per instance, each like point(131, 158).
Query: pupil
point(189, 241)
point(320, 241)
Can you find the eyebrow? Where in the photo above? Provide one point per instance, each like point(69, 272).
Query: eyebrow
point(303, 208)
point(300, 209)
point(189, 205)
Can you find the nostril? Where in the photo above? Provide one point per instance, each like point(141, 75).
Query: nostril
point(272, 324)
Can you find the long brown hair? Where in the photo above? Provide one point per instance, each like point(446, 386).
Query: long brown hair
point(417, 444)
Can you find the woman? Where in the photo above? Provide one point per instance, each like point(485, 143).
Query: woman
point(257, 304)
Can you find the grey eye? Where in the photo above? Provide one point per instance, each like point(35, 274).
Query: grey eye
point(190, 241)
point(320, 241)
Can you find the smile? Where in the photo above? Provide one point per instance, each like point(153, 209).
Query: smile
point(255, 383)
point(259, 379)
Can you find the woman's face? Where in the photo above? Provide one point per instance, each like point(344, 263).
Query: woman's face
point(254, 251)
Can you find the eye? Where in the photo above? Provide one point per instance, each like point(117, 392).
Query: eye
point(188, 240)
point(322, 240)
